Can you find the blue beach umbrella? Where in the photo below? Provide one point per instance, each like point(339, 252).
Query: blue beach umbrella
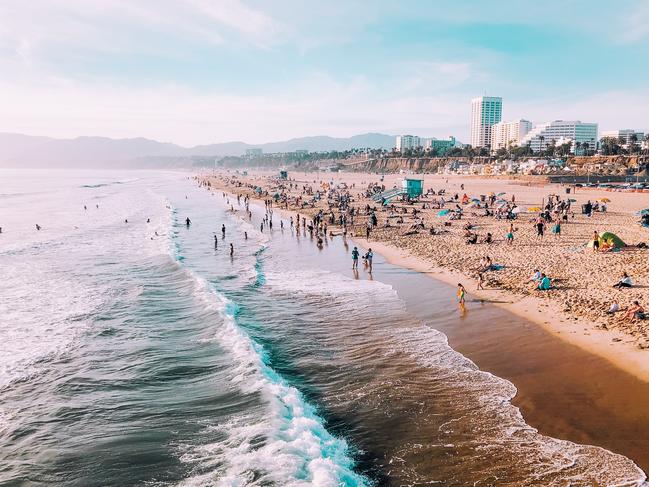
point(443, 212)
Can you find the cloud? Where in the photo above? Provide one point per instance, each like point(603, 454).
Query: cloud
point(635, 23)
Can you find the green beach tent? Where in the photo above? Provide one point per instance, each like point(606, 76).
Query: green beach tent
point(611, 238)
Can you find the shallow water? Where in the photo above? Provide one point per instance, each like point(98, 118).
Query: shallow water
point(137, 354)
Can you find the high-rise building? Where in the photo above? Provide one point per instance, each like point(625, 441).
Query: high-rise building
point(405, 142)
point(509, 134)
point(485, 112)
point(559, 131)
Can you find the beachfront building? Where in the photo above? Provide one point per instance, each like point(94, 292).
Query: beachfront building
point(439, 146)
point(626, 136)
point(405, 142)
point(581, 135)
point(485, 112)
point(509, 134)
point(250, 153)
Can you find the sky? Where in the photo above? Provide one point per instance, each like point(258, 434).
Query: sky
point(199, 71)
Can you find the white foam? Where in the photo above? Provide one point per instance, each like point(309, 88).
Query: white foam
point(296, 450)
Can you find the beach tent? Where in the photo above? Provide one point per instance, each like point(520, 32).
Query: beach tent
point(611, 239)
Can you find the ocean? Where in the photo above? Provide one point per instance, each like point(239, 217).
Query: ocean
point(132, 352)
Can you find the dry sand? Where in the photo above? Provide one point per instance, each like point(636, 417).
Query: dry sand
point(574, 311)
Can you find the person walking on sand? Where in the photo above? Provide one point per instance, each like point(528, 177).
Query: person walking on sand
point(355, 255)
point(480, 280)
point(461, 294)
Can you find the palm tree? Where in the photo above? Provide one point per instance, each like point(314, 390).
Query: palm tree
point(541, 139)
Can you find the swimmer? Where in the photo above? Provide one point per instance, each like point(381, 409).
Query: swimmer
point(38, 227)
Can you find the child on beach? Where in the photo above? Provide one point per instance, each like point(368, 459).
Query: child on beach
point(480, 280)
point(461, 294)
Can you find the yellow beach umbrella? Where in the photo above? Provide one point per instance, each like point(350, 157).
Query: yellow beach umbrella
point(604, 200)
point(534, 208)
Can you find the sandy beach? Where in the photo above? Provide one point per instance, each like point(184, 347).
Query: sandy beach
point(574, 310)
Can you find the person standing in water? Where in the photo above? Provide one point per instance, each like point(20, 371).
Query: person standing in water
point(223, 230)
point(245, 235)
point(355, 254)
point(461, 294)
point(188, 222)
point(231, 250)
point(368, 258)
point(216, 242)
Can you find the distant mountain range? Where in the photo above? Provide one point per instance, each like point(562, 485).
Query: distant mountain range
point(17, 150)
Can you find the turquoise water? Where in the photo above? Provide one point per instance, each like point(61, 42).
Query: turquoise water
point(134, 353)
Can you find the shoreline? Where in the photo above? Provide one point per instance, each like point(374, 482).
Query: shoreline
point(573, 330)
point(545, 356)
point(617, 347)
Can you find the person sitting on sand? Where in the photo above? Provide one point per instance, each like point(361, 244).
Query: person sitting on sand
point(635, 311)
point(536, 277)
point(545, 283)
point(615, 307)
point(625, 281)
point(488, 239)
point(473, 239)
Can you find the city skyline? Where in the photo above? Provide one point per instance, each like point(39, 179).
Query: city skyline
point(193, 72)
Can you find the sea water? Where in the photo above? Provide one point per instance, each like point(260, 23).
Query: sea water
point(132, 352)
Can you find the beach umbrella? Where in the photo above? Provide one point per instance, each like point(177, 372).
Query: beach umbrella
point(534, 208)
point(604, 200)
point(475, 200)
point(644, 212)
point(443, 212)
point(572, 200)
point(500, 194)
point(491, 193)
point(517, 210)
point(501, 201)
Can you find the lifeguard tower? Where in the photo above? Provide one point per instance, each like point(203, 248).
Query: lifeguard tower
point(414, 187)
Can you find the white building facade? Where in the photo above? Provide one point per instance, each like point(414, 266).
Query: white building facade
point(405, 142)
point(509, 134)
point(624, 134)
point(485, 112)
point(560, 131)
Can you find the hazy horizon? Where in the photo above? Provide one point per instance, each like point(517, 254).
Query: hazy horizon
point(195, 72)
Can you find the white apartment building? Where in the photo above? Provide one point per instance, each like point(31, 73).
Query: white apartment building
point(624, 134)
point(485, 112)
point(541, 136)
point(509, 134)
point(405, 142)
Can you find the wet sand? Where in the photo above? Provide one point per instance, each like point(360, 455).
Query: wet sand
point(563, 391)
